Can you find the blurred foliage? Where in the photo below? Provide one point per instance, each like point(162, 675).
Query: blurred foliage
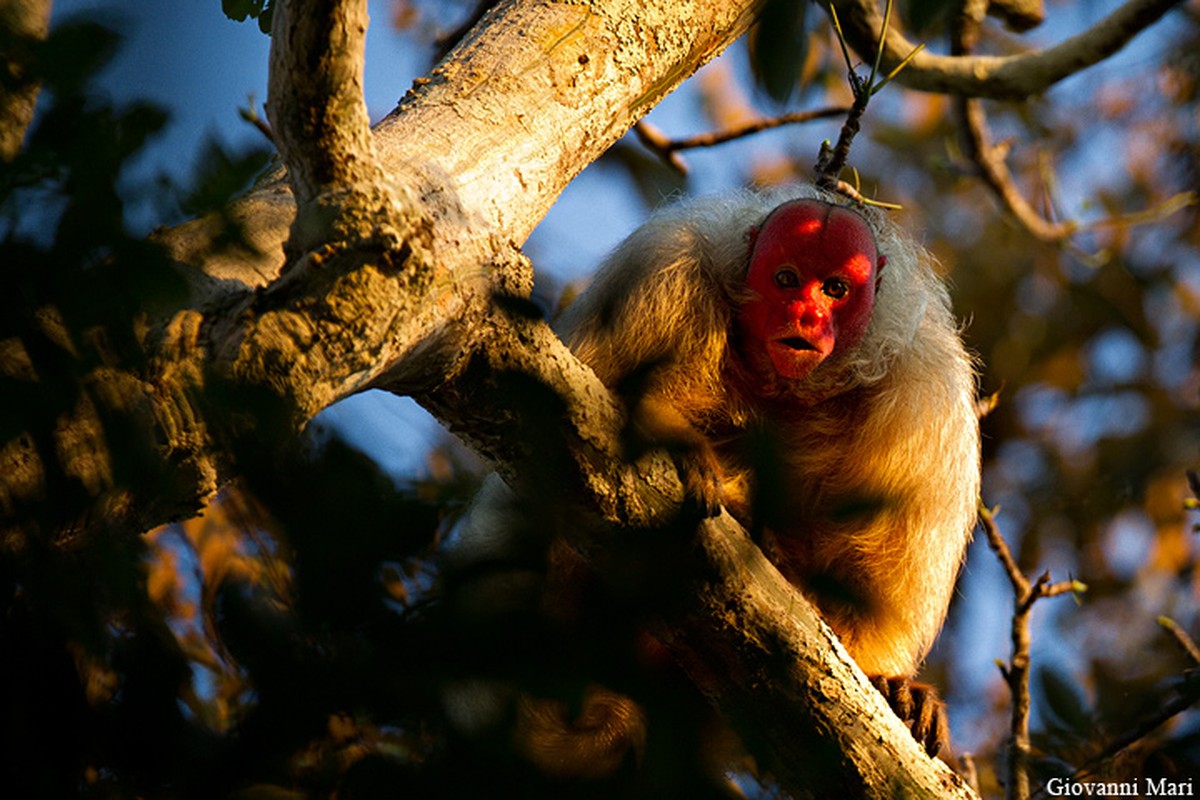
point(778, 47)
point(299, 639)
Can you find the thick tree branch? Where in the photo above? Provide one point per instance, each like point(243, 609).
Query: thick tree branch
point(999, 77)
point(747, 629)
point(22, 22)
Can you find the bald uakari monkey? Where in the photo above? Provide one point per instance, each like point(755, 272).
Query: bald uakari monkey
point(824, 331)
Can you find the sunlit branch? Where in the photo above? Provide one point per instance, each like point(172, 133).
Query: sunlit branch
point(317, 57)
point(990, 159)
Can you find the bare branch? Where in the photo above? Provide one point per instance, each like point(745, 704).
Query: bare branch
point(755, 126)
point(1003, 552)
point(657, 141)
point(1016, 673)
point(1000, 77)
point(990, 159)
point(992, 168)
point(730, 642)
point(978, 147)
point(315, 101)
point(250, 114)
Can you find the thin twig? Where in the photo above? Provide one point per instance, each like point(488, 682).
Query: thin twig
point(831, 159)
point(729, 134)
point(654, 139)
point(1002, 551)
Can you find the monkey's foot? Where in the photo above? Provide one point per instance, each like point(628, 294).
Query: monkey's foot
point(919, 707)
point(701, 474)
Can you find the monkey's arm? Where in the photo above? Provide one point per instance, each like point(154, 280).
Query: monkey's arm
point(653, 326)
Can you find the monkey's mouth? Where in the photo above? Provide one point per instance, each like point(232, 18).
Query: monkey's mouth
point(797, 343)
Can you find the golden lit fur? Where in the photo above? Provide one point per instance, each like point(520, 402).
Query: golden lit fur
point(879, 447)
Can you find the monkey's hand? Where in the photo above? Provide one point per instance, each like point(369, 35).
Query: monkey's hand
point(656, 423)
point(919, 707)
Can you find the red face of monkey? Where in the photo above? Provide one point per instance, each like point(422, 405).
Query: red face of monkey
point(813, 271)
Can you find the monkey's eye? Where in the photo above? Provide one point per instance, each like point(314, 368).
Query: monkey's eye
point(786, 278)
point(835, 288)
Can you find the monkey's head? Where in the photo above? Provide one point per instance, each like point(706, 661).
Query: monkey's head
point(812, 277)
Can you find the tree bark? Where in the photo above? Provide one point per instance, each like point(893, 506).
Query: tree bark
point(22, 23)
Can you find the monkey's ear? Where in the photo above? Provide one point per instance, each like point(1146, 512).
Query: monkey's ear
point(751, 237)
point(879, 265)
